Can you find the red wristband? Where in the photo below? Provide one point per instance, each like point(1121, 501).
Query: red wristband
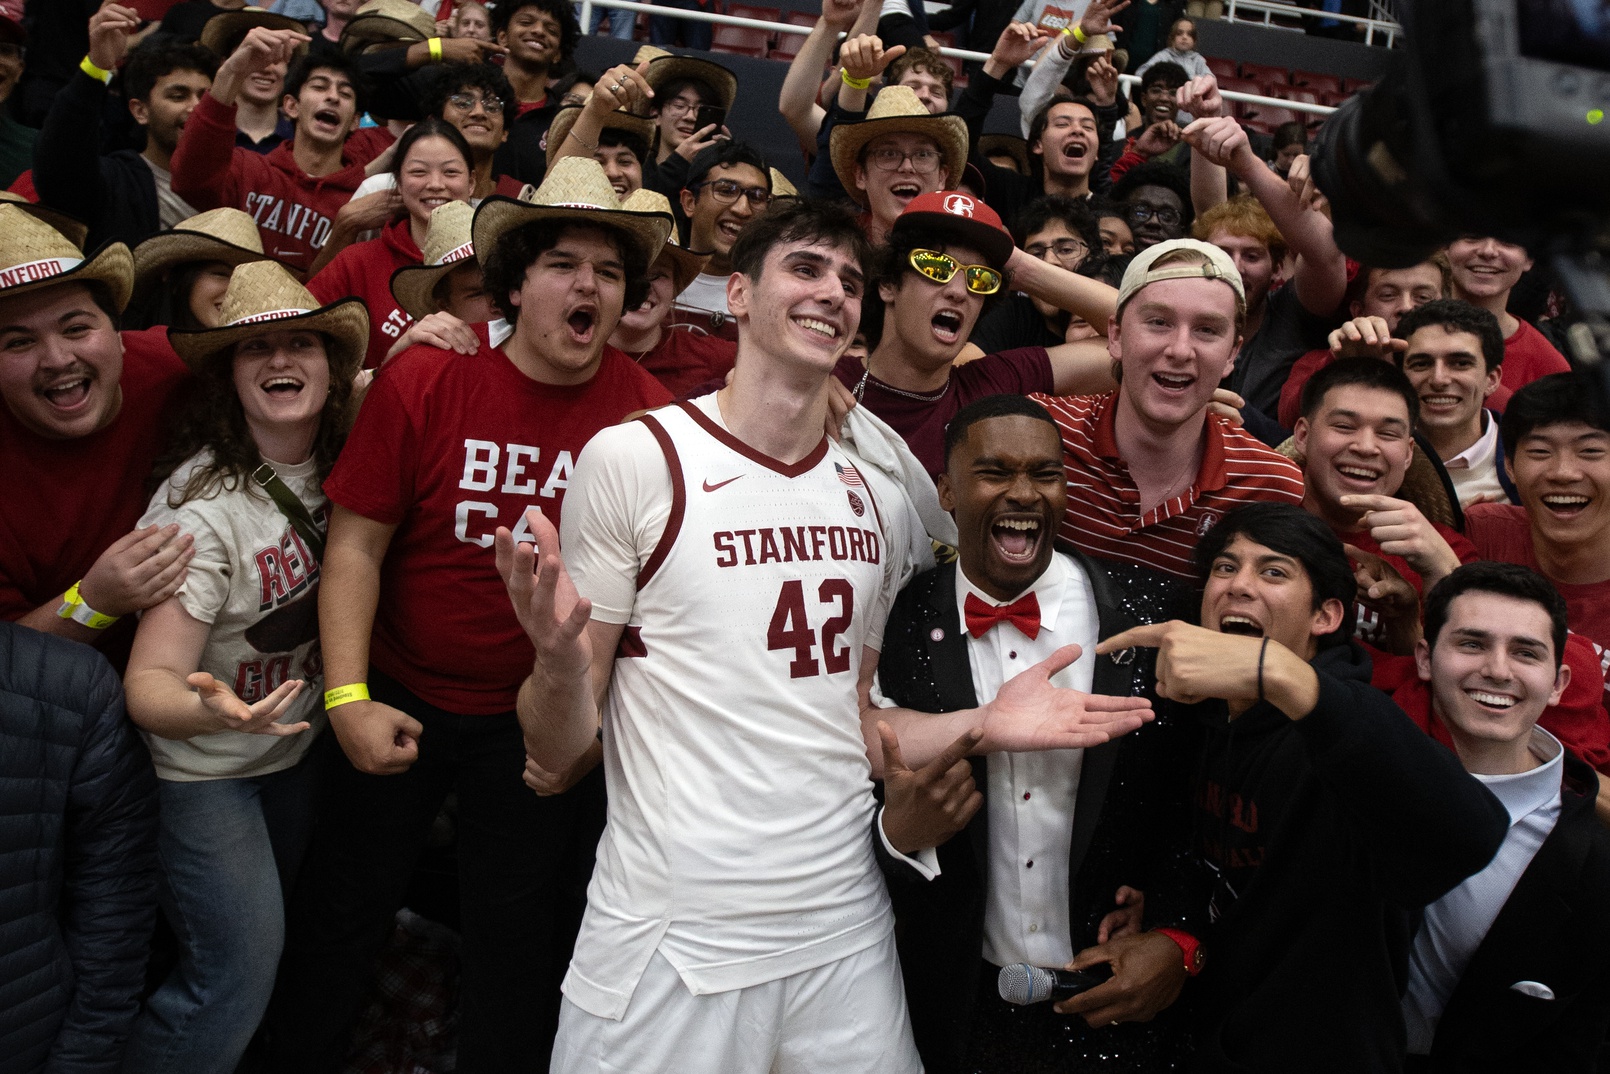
point(1189, 946)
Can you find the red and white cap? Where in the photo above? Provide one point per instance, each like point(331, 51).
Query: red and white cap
point(958, 216)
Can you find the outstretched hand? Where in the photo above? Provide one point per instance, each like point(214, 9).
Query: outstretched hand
point(233, 714)
point(552, 614)
point(1030, 714)
point(109, 30)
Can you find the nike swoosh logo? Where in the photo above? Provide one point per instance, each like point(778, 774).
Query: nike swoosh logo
point(719, 484)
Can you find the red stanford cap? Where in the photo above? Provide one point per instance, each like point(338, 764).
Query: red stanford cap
point(956, 215)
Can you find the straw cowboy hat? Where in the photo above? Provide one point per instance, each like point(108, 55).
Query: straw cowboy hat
point(685, 265)
point(666, 67)
point(448, 245)
point(224, 33)
point(264, 297)
point(576, 191)
point(780, 186)
point(226, 235)
point(1009, 144)
point(34, 255)
point(896, 110)
point(382, 23)
point(71, 226)
point(618, 120)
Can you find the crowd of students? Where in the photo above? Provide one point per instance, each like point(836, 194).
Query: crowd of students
point(1122, 578)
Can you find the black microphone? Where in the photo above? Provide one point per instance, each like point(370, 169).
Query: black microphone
point(1022, 984)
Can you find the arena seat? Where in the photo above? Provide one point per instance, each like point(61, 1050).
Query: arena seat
point(740, 41)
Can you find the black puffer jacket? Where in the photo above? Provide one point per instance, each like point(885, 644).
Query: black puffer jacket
point(78, 873)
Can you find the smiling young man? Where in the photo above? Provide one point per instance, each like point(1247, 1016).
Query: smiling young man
point(1149, 469)
point(1557, 445)
point(85, 414)
point(540, 36)
point(295, 191)
point(1039, 865)
point(1356, 440)
point(1484, 271)
point(729, 186)
point(422, 653)
point(1377, 300)
point(947, 256)
point(1534, 921)
point(1452, 356)
point(1325, 818)
point(731, 624)
point(123, 196)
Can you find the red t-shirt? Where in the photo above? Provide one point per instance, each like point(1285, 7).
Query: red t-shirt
point(1368, 628)
point(1527, 356)
point(921, 421)
point(1104, 516)
point(1502, 531)
point(1579, 721)
point(364, 269)
point(67, 501)
point(685, 359)
point(448, 447)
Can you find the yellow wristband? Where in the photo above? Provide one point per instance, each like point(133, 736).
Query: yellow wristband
point(88, 67)
point(435, 44)
point(344, 695)
point(74, 608)
point(854, 83)
point(1077, 33)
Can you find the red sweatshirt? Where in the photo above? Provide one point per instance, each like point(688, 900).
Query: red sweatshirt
point(294, 210)
point(364, 269)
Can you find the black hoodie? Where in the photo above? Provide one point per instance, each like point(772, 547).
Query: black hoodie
point(1327, 834)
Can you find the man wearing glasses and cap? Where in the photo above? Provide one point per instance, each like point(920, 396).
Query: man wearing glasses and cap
point(948, 258)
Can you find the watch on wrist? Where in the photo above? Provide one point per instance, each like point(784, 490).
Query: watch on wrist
point(1189, 946)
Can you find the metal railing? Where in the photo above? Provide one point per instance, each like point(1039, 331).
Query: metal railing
point(961, 54)
point(1269, 9)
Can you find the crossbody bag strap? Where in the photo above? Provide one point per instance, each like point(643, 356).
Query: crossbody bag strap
point(295, 512)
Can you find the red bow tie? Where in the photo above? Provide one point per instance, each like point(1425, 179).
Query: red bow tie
point(1023, 613)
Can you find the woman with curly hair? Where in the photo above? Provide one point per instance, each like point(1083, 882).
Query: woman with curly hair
point(223, 677)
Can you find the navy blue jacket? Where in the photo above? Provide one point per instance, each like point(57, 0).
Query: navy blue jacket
point(78, 871)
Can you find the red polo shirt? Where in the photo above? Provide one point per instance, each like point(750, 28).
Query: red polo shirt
point(1104, 517)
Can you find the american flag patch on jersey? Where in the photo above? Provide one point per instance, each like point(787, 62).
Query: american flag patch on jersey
point(850, 476)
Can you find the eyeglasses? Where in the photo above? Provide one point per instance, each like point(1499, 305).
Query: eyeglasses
point(678, 107)
point(1139, 214)
point(726, 191)
point(888, 158)
point(942, 268)
point(1065, 250)
point(466, 102)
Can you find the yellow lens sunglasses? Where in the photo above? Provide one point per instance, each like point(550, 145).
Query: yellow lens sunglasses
point(942, 268)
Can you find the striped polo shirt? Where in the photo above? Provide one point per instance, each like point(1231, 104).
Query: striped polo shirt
point(1104, 517)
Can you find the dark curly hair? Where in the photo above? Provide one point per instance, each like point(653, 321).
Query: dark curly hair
point(214, 419)
point(451, 78)
point(559, 10)
point(517, 249)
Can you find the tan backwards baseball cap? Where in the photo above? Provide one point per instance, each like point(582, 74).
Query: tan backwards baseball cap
point(1214, 264)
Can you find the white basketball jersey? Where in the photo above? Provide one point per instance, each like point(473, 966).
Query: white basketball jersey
point(739, 839)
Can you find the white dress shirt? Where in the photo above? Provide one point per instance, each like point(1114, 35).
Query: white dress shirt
point(1456, 924)
point(1031, 795)
point(1474, 471)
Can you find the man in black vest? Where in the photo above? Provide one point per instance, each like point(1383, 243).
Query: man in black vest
point(1034, 876)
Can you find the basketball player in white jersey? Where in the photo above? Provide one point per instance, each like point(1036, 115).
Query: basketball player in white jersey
point(727, 570)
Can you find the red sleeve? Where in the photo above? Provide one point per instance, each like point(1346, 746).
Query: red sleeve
point(24, 185)
point(1291, 393)
point(1499, 531)
point(367, 143)
point(1459, 543)
point(374, 474)
point(1579, 720)
point(1021, 371)
point(1129, 160)
point(206, 165)
point(334, 281)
